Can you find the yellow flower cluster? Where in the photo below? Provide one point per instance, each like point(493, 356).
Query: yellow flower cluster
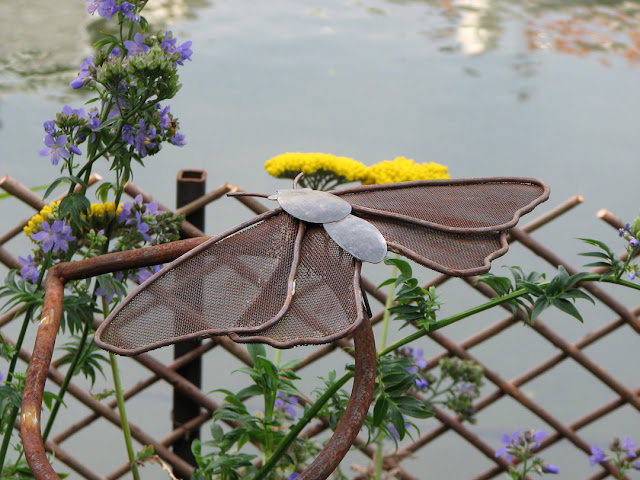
point(288, 165)
point(346, 169)
point(403, 170)
point(100, 209)
point(49, 213)
point(46, 214)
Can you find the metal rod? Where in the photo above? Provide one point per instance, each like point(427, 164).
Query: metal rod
point(190, 188)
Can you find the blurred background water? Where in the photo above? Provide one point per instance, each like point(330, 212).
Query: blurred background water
point(486, 87)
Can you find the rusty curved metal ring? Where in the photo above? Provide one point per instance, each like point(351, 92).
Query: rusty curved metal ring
point(326, 462)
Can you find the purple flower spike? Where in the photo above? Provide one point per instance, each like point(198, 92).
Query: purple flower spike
point(597, 456)
point(55, 148)
point(56, 236)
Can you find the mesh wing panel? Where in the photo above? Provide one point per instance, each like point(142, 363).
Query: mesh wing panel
point(456, 205)
point(325, 305)
point(451, 253)
point(238, 282)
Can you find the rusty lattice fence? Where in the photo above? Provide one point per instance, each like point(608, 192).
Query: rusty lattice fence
point(498, 386)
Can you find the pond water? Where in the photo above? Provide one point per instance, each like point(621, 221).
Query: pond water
point(486, 87)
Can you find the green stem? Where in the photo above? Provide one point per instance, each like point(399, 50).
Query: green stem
point(387, 306)
point(383, 343)
point(67, 380)
point(11, 420)
point(379, 456)
point(123, 416)
point(282, 447)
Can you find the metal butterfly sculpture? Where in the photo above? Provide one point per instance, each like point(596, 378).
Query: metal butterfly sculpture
point(291, 276)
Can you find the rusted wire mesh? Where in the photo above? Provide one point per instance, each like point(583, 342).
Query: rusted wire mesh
point(622, 395)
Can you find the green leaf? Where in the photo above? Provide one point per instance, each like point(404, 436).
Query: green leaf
point(402, 265)
point(49, 397)
point(541, 304)
point(567, 307)
point(217, 433)
point(256, 350)
point(413, 407)
point(380, 410)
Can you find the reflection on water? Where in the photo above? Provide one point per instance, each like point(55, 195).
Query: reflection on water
point(44, 59)
point(44, 42)
point(605, 31)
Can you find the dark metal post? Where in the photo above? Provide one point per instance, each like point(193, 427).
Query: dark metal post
point(191, 185)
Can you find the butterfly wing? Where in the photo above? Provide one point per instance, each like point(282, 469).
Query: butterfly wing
point(452, 226)
point(240, 281)
point(327, 304)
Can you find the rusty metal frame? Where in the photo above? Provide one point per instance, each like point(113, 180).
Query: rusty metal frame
point(624, 395)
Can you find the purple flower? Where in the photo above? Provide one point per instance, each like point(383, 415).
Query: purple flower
point(50, 127)
point(293, 476)
point(633, 243)
point(141, 226)
point(74, 149)
point(628, 445)
point(144, 137)
point(115, 52)
point(29, 270)
point(626, 229)
point(127, 134)
point(67, 110)
point(169, 46)
point(55, 148)
point(56, 236)
point(165, 118)
point(94, 120)
point(421, 384)
point(178, 140)
point(129, 11)
point(632, 275)
point(93, 6)
point(597, 456)
point(86, 75)
point(136, 46)
point(185, 53)
point(508, 441)
point(144, 274)
point(547, 468)
point(285, 405)
point(107, 9)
